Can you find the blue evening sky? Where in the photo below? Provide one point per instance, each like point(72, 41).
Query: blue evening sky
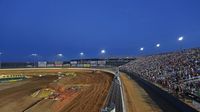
point(121, 27)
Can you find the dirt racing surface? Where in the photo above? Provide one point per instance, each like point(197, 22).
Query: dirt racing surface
point(136, 98)
point(82, 91)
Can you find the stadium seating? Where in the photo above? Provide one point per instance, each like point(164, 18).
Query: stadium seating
point(177, 72)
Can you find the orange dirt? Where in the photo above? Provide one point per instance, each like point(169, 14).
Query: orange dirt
point(91, 97)
point(65, 99)
point(136, 99)
point(39, 71)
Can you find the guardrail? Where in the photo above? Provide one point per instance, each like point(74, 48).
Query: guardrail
point(115, 99)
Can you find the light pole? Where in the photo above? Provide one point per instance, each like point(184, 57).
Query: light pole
point(59, 60)
point(141, 50)
point(34, 59)
point(60, 55)
point(103, 52)
point(180, 39)
point(158, 46)
point(81, 56)
point(0, 59)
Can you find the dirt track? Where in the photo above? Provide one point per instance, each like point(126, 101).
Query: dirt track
point(136, 99)
point(16, 97)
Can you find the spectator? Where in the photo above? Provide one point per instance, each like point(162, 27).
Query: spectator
point(178, 72)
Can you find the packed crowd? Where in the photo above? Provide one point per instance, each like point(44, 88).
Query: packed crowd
point(177, 72)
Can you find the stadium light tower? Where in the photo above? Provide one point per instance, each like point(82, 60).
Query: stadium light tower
point(103, 52)
point(180, 39)
point(81, 56)
point(59, 56)
point(34, 55)
point(157, 46)
point(141, 50)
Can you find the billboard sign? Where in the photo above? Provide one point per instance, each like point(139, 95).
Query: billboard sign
point(42, 64)
point(58, 63)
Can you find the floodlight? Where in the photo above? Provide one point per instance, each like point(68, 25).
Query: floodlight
point(34, 54)
point(81, 53)
point(60, 55)
point(103, 51)
point(180, 38)
point(157, 45)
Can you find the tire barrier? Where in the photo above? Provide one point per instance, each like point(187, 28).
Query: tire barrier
point(166, 101)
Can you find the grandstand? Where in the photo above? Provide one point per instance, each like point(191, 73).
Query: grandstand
point(176, 72)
